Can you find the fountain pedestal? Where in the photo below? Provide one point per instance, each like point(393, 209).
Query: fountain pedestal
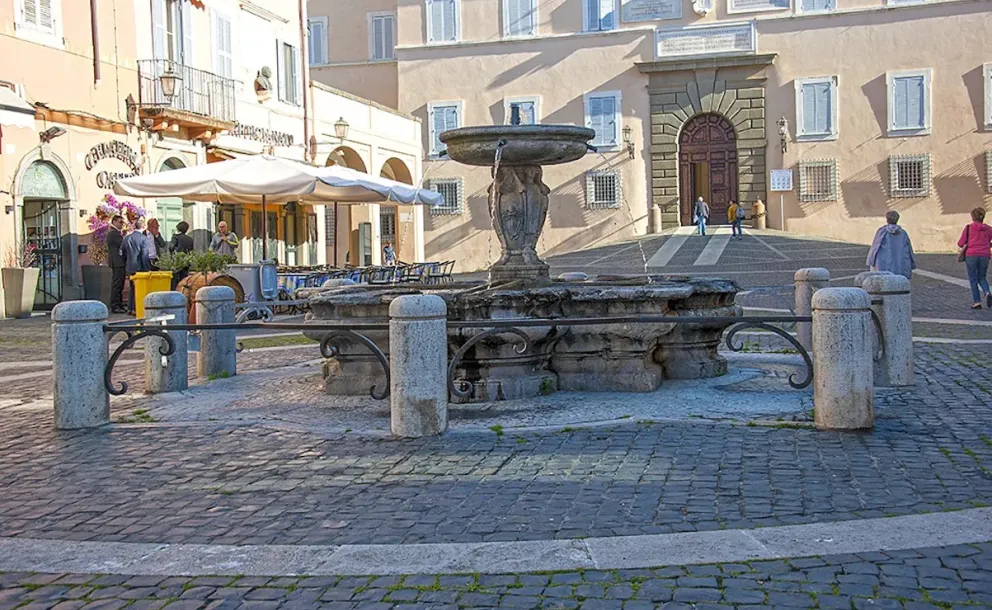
point(520, 206)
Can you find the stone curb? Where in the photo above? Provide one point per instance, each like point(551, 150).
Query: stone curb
point(624, 552)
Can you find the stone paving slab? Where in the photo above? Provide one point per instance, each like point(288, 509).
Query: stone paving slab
point(958, 576)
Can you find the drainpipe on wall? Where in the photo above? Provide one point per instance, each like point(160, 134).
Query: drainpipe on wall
point(94, 26)
point(308, 146)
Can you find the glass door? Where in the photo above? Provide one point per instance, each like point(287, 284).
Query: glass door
point(43, 230)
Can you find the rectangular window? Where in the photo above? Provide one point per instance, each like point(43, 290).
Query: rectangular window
point(443, 116)
point(318, 41)
point(527, 107)
point(817, 6)
point(223, 46)
point(442, 21)
point(603, 189)
point(382, 36)
point(451, 190)
point(519, 17)
point(909, 102)
point(816, 108)
point(600, 15)
point(751, 6)
point(603, 117)
point(818, 180)
point(987, 73)
point(38, 14)
point(909, 176)
point(288, 60)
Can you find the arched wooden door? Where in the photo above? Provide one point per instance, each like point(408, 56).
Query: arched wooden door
point(707, 166)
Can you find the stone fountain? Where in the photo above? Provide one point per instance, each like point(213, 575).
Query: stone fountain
point(592, 357)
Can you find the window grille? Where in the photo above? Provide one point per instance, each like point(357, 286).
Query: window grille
point(818, 180)
point(451, 190)
point(603, 189)
point(988, 171)
point(909, 176)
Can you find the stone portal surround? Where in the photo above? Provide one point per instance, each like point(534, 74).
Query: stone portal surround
point(734, 92)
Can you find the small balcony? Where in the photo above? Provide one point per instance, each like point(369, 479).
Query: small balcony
point(175, 96)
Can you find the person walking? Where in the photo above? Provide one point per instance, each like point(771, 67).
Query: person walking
point(701, 215)
point(115, 242)
point(892, 250)
point(154, 243)
point(181, 243)
point(136, 257)
point(976, 248)
point(735, 216)
point(225, 241)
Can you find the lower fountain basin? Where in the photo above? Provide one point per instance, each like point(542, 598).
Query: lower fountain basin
point(611, 357)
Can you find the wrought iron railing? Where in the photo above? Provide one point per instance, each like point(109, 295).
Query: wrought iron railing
point(198, 92)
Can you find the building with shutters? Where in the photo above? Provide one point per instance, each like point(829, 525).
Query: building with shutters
point(85, 99)
point(870, 105)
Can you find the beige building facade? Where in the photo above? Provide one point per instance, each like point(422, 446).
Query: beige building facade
point(830, 111)
point(83, 103)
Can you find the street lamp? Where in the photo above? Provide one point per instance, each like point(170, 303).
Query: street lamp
point(341, 129)
point(170, 82)
point(629, 140)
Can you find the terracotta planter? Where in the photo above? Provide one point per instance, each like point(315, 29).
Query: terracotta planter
point(194, 281)
point(19, 287)
point(97, 283)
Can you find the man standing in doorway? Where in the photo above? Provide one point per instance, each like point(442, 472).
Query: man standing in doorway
point(701, 215)
point(115, 240)
point(225, 242)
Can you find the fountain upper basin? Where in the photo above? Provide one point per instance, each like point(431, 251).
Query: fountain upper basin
point(525, 144)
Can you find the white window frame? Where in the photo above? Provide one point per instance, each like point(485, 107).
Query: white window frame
point(987, 75)
point(430, 28)
point(805, 195)
point(28, 31)
point(508, 101)
point(591, 202)
point(371, 22)
point(506, 20)
point(731, 10)
point(585, 17)
point(459, 104)
point(890, 78)
point(834, 113)
point(283, 94)
point(926, 177)
point(217, 15)
point(448, 209)
point(800, 11)
point(618, 117)
point(324, 50)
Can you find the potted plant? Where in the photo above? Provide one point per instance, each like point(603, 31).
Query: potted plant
point(20, 280)
point(206, 269)
point(98, 277)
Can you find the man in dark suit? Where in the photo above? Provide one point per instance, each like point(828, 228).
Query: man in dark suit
point(115, 239)
point(180, 243)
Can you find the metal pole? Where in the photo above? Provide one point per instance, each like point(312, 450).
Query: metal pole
point(265, 232)
point(335, 233)
point(781, 208)
point(95, 33)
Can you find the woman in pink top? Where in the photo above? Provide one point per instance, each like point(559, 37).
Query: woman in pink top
point(976, 240)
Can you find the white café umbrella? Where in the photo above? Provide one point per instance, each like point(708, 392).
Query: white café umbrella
point(262, 179)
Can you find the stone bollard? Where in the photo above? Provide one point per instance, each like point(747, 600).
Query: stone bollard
point(842, 363)
point(859, 279)
point(166, 373)
point(79, 357)
point(808, 281)
point(895, 312)
point(218, 356)
point(418, 363)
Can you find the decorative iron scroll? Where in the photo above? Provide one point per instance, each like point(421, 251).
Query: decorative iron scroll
point(133, 337)
point(736, 328)
point(463, 388)
point(880, 334)
point(329, 350)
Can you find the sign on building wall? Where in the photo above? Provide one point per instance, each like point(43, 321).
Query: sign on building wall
point(725, 39)
point(113, 150)
point(260, 134)
point(781, 180)
point(651, 10)
point(746, 6)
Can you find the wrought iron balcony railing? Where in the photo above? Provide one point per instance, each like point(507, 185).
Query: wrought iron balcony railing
point(197, 92)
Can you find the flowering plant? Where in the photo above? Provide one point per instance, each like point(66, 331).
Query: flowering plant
point(99, 224)
point(21, 256)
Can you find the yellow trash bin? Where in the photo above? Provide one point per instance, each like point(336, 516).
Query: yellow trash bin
point(147, 282)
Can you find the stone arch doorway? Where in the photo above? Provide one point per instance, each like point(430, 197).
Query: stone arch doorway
point(395, 169)
point(346, 157)
point(45, 196)
point(170, 210)
point(707, 166)
point(349, 235)
point(389, 217)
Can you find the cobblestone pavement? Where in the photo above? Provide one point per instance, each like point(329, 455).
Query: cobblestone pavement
point(920, 579)
point(223, 483)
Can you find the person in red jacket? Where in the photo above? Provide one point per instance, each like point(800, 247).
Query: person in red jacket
point(976, 245)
